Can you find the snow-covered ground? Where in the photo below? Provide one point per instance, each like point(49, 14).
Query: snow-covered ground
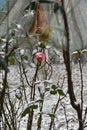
point(57, 77)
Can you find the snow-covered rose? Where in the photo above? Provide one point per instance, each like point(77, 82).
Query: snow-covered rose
point(40, 56)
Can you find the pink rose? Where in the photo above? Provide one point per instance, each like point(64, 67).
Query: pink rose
point(40, 56)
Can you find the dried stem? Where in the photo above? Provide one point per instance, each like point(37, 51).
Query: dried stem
point(80, 66)
point(66, 55)
point(32, 97)
point(63, 105)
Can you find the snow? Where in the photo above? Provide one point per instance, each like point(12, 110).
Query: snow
point(58, 74)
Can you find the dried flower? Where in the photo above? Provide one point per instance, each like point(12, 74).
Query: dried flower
point(39, 25)
point(40, 56)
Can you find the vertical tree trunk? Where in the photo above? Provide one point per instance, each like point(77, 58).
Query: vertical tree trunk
point(66, 55)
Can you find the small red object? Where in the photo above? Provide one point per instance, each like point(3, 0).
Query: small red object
point(40, 56)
